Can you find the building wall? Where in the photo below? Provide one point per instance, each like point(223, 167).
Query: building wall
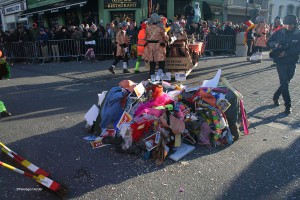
point(10, 10)
point(105, 14)
point(280, 8)
point(240, 10)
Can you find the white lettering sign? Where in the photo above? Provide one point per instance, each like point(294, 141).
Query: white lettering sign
point(13, 9)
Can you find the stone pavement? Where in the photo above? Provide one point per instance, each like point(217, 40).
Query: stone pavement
point(257, 82)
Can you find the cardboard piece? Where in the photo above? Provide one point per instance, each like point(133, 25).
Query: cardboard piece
point(125, 118)
point(139, 90)
point(223, 104)
point(98, 143)
point(91, 115)
point(152, 141)
point(181, 151)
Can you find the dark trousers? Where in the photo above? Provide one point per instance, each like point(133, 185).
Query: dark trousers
point(119, 58)
point(257, 49)
point(161, 65)
point(249, 50)
point(285, 73)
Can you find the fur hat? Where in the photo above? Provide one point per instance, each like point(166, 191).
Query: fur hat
point(155, 18)
point(176, 28)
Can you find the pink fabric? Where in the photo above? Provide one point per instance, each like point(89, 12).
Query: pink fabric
point(204, 135)
point(244, 118)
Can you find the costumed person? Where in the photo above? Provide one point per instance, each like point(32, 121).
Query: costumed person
point(140, 46)
point(155, 49)
point(90, 45)
point(277, 25)
point(261, 31)
point(197, 12)
point(285, 49)
point(179, 47)
point(189, 14)
point(122, 43)
point(4, 73)
point(249, 38)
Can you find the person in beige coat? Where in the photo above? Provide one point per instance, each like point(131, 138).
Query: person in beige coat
point(261, 31)
point(122, 43)
point(155, 48)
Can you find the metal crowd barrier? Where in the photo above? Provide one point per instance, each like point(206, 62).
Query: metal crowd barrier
point(215, 43)
point(59, 50)
point(19, 50)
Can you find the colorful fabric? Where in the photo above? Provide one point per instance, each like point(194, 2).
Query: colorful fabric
point(2, 107)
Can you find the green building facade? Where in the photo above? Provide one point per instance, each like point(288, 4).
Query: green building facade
point(52, 12)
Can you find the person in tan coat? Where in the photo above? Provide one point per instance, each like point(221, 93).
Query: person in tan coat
point(122, 43)
point(155, 48)
point(261, 31)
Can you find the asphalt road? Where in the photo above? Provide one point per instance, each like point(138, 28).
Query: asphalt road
point(49, 101)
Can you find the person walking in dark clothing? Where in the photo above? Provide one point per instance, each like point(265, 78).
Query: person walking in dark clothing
point(285, 49)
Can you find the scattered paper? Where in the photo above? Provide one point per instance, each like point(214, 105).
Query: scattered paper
point(90, 138)
point(181, 189)
point(101, 97)
point(181, 151)
point(91, 115)
point(213, 83)
point(98, 143)
point(180, 76)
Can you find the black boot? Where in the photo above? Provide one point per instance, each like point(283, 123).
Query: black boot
point(276, 102)
point(288, 110)
point(5, 114)
point(234, 131)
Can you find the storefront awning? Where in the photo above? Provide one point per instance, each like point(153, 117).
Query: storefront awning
point(52, 8)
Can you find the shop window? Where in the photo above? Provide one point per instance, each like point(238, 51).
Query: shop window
point(179, 7)
point(290, 9)
point(280, 11)
point(11, 26)
point(90, 13)
point(159, 7)
point(298, 12)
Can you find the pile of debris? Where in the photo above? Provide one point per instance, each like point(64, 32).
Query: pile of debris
point(159, 119)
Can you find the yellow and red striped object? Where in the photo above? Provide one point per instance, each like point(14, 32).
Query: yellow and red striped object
point(23, 161)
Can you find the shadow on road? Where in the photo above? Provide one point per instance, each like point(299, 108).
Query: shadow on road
point(72, 162)
point(280, 166)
